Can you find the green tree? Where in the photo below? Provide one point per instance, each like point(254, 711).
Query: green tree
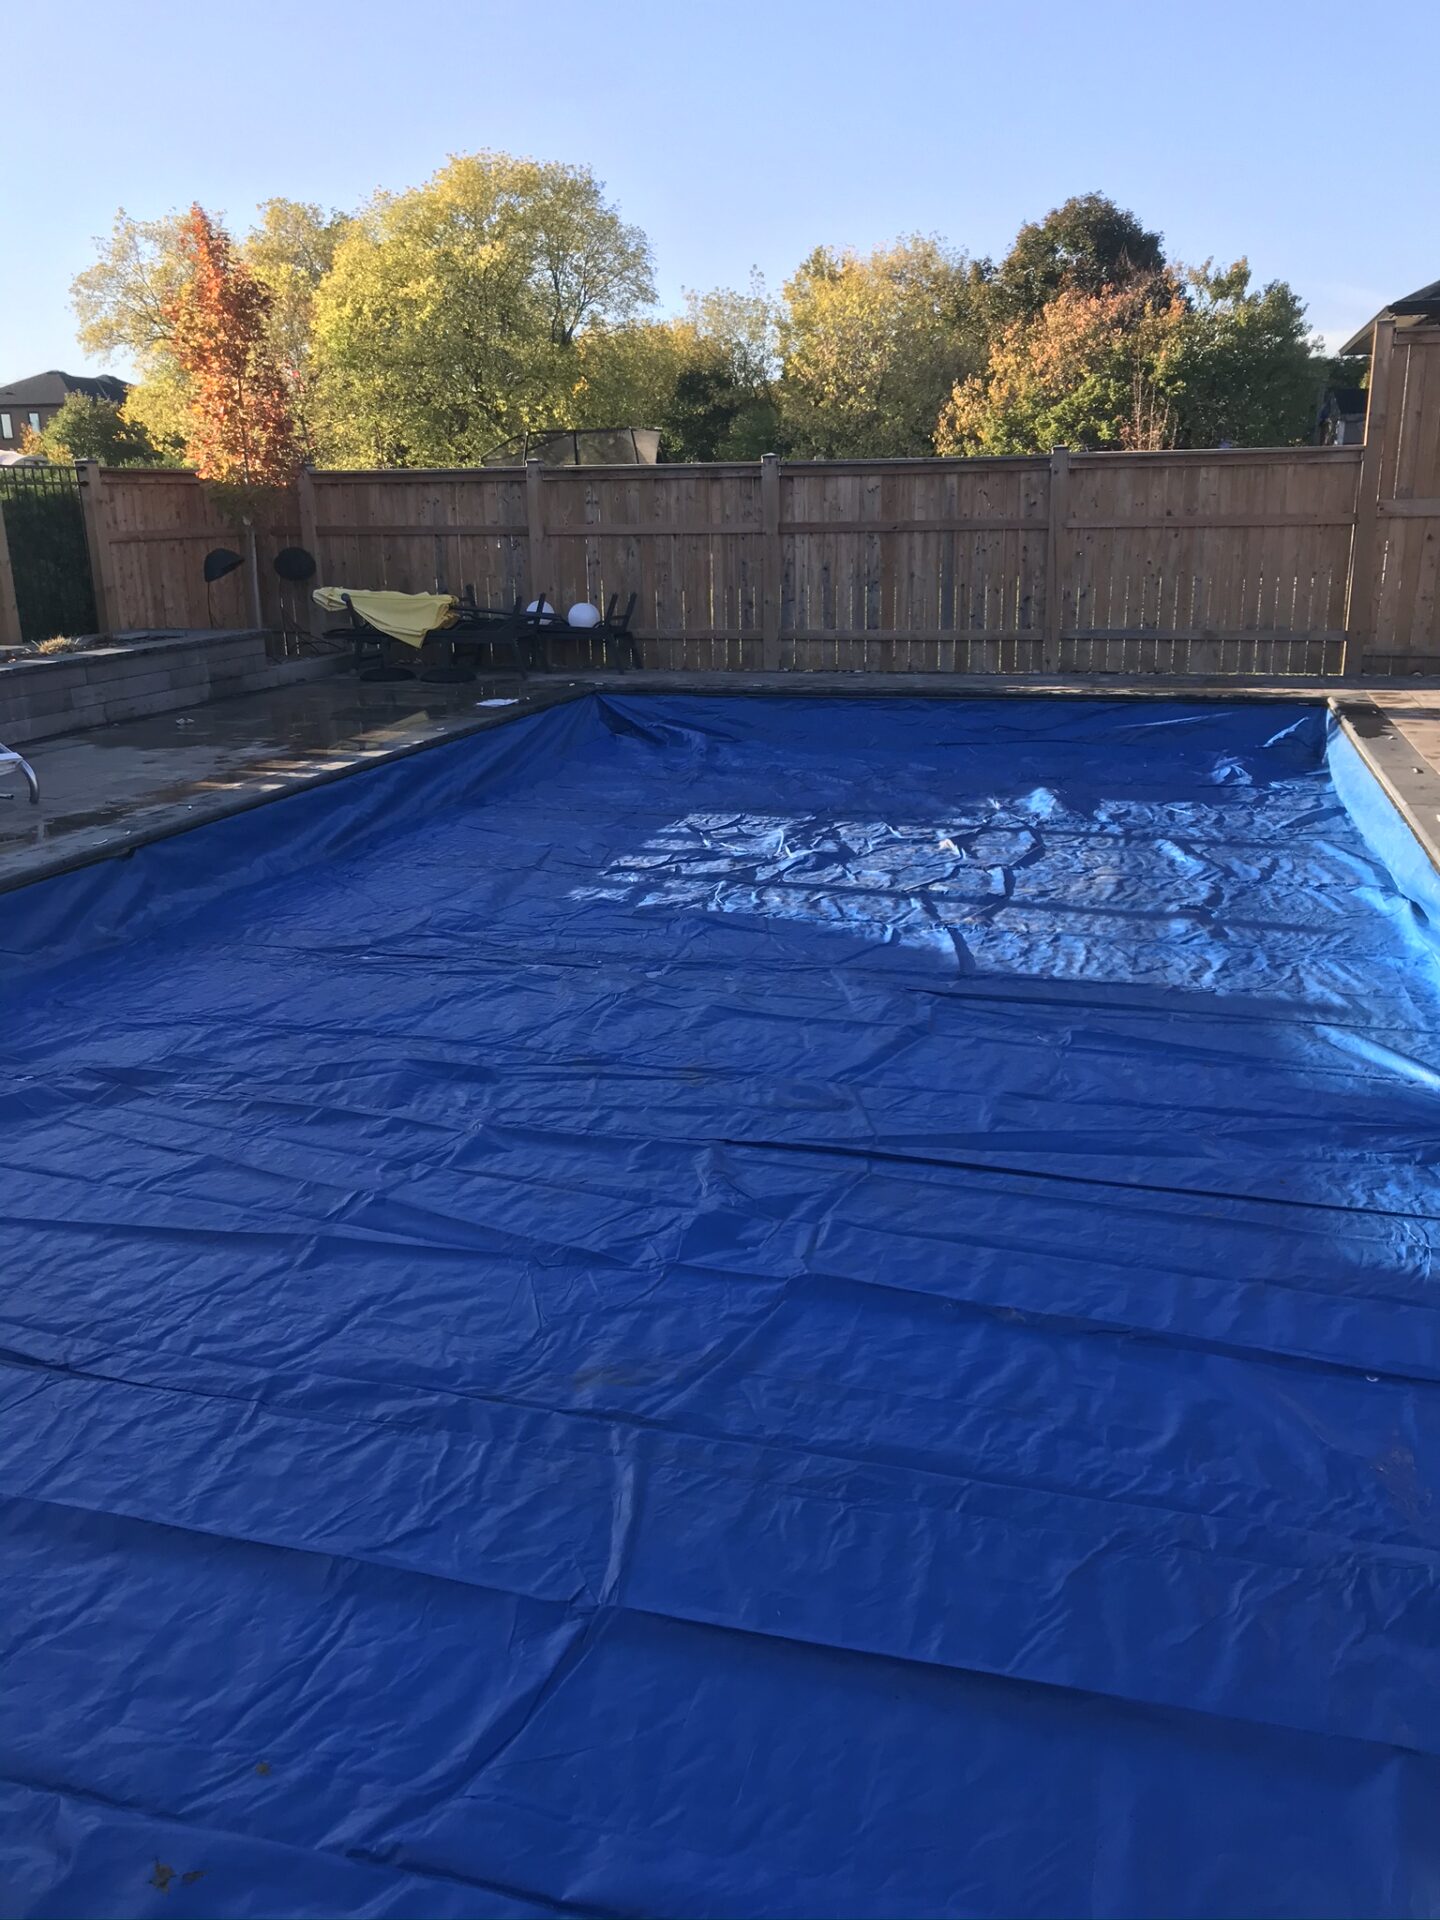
point(290, 250)
point(1246, 368)
point(84, 428)
point(729, 398)
point(453, 314)
point(872, 346)
point(121, 305)
point(666, 374)
point(744, 326)
point(122, 302)
point(1087, 245)
point(625, 376)
point(706, 380)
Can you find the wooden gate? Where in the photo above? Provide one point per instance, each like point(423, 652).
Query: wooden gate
point(1395, 585)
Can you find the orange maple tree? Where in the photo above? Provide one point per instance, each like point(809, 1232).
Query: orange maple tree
point(241, 429)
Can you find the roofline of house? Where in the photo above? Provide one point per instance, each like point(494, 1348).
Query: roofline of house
point(1424, 306)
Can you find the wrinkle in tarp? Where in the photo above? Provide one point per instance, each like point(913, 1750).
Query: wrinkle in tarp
point(758, 1306)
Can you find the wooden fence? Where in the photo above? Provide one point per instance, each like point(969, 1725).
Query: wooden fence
point(150, 529)
point(1300, 560)
point(1396, 588)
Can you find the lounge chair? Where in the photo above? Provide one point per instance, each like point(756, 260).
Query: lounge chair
point(9, 758)
point(374, 619)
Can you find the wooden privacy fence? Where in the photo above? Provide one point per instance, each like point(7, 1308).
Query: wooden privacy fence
point(149, 530)
point(1397, 538)
point(1300, 560)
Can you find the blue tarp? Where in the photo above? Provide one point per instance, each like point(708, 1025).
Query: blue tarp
point(733, 1307)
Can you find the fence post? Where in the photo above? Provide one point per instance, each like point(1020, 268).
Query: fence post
point(1365, 536)
point(1054, 559)
point(535, 531)
point(10, 634)
point(772, 563)
point(97, 543)
point(310, 540)
point(252, 578)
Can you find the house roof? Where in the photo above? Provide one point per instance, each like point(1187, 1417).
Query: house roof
point(1421, 306)
point(51, 389)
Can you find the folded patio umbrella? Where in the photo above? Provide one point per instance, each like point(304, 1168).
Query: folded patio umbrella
point(404, 616)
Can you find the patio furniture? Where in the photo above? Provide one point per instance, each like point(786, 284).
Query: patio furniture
point(495, 629)
point(371, 648)
point(379, 617)
point(461, 627)
point(612, 629)
point(615, 633)
point(9, 758)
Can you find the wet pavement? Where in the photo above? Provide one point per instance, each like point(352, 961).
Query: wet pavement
point(113, 788)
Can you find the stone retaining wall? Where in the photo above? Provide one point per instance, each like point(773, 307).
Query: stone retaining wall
point(63, 693)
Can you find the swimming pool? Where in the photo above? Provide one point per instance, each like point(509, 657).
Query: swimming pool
point(704, 1306)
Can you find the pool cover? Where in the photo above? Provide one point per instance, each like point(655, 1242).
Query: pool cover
point(724, 1307)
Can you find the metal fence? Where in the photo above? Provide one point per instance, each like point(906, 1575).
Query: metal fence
point(45, 581)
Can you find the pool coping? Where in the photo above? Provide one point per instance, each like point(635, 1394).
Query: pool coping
point(1408, 782)
point(1411, 785)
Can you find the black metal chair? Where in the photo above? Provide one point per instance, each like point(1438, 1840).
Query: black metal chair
point(495, 629)
point(612, 630)
point(617, 633)
point(528, 631)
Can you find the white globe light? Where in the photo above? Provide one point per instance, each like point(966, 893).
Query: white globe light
point(544, 609)
point(582, 614)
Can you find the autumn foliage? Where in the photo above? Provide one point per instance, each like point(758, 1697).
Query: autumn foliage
point(240, 428)
point(1087, 370)
point(435, 326)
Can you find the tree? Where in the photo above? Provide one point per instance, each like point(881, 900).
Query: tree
point(871, 347)
point(453, 314)
point(744, 326)
point(1088, 245)
point(1188, 359)
point(707, 381)
point(1246, 371)
point(84, 428)
point(665, 374)
point(240, 428)
point(1089, 370)
point(121, 306)
point(290, 250)
point(626, 376)
point(714, 417)
point(728, 399)
point(122, 303)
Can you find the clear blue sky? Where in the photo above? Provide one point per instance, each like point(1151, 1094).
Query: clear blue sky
point(740, 133)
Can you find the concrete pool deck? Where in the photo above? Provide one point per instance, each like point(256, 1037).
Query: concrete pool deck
point(111, 789)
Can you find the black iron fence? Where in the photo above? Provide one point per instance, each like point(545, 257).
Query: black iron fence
point(44, 530)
